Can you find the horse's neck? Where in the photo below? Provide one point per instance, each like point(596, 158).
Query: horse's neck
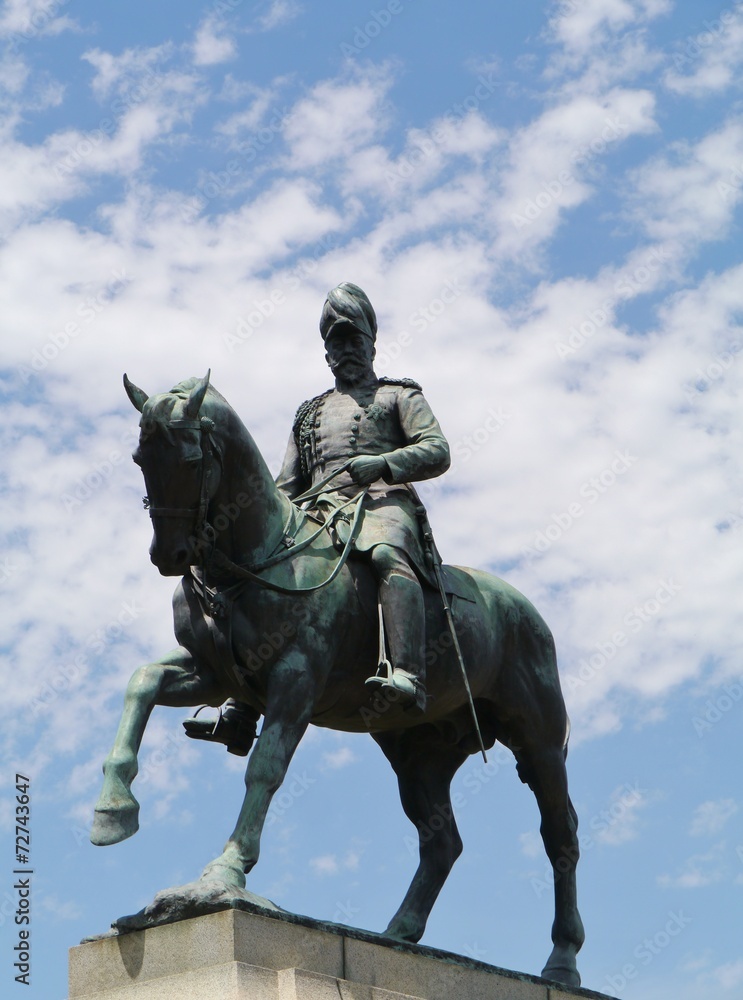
point(253, 510)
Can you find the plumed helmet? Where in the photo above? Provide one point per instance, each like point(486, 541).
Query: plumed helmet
point(347, 306)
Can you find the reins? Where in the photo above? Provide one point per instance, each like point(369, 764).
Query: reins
point(205, 530)
point(224, 562)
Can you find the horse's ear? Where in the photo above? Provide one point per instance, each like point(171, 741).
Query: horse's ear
point(137, 396)
point(196, 397)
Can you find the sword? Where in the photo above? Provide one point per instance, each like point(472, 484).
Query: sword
point(433, 552)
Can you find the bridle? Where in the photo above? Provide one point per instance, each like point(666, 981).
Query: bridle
point(205, 426)
point(204, 530)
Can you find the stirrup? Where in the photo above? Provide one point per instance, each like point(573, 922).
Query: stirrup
point(384, 673)
point(236, 734)
point(402, 683)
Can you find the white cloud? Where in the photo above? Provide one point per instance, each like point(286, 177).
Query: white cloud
point(29, 19)
point(212, 44)
point(708, 61)
point(710, 817)
point(698, 871)
point(14, 73)
point(331, 864)
point(550, 161)
point(134, 67)
point(263, 111)
point(326, 864)
point(531, 844)
point(426, 154)
point(336, 759)
point(52, 905)
point(729, 975)
point(279, 13)
point(620, 821)
point(693, 193)
point(336, 118)
point(585, 25)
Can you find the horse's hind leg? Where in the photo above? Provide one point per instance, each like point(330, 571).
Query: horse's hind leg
point(543, 769)
point(425, 766)
point(169, 681)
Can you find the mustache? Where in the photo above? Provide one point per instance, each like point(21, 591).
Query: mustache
point(349, 364)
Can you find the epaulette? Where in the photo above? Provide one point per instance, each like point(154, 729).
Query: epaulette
point(309, 405)
point(406, 383)
point(304, 420)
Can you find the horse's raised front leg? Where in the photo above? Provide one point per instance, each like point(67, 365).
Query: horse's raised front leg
point(424, 766)
point(173, 681)
point(289, 706)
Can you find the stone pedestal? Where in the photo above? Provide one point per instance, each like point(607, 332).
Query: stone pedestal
point(238, 955)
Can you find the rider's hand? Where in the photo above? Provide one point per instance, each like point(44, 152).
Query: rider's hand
point(366, 469)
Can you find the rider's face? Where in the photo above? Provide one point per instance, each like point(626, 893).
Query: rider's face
point(349, 354)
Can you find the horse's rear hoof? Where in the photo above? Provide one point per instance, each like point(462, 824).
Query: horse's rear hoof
point(111, 826)
point(561, 974)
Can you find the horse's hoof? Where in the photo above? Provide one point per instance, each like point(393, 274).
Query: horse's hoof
point(111, 826)
point(563, 974)
point(226, 875)
point(409, 932)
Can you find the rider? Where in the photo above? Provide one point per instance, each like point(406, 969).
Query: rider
point(383, 432)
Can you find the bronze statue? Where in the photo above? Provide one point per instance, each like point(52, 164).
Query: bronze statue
point(371, 432)
point(276, 612)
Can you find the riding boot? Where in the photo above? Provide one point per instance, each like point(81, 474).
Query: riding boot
point(235, 727)
point(404, 615)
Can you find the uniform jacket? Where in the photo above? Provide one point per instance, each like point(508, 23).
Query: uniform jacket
point(388, 417)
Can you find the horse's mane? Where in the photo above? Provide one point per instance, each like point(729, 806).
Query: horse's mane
point(159, 409)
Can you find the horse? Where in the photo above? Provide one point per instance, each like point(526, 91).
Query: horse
point(267, 612)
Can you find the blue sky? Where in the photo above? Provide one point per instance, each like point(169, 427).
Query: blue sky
point(573, 172)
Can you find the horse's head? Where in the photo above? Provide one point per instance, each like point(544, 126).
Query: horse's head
point(180, 461)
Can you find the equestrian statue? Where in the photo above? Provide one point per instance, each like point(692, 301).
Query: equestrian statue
point(335, 561)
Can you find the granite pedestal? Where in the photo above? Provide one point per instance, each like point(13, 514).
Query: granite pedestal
point(237, 955)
